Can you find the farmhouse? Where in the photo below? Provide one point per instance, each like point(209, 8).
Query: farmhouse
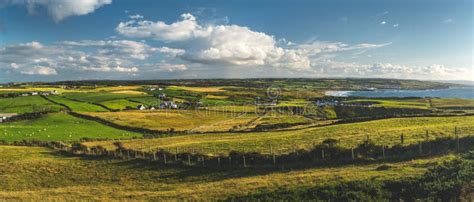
point(168, 105)
point(161, 96)
point(5, 117)
point(141, 107)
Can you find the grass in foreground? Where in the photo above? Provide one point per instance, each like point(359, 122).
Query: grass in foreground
point(59, 127)
point(40, 174)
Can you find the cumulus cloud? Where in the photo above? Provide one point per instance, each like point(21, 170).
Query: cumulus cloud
point(232, 45)
point(137, 50)
point(60, 9)
point(34, 58)
point(173, 52)
point(185, 29)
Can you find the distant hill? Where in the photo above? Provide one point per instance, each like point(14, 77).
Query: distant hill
point(461, 82)
point(304, 83)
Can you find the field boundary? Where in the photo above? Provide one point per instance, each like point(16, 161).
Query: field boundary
point(325, 153)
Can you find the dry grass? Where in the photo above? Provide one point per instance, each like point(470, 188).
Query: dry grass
point(200, 89)
point(385, 132)
point(180, 120)
point(39, 174)
point(217, 97)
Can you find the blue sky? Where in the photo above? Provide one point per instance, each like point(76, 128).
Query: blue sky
point(143, 39)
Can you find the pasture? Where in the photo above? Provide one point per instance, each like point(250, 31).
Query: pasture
point(29, 104)
point(77, 106)
point(176, 120)
point(41, 174)
point(382, 132)
point(59, 127)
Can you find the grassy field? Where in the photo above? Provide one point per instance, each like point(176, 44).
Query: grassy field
point(77, 106)
point(120, 104)
point(99, 97)
point(385, 132)
point(40, 174)
point(146, 100)
point(59, 127)
point(453, 103)
point(179, 120)
point(28, 104)
point(405, 103)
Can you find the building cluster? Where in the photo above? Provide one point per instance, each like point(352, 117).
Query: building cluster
point(45, 93)
point(336, 102)
point(163, 105)
point(5, 117)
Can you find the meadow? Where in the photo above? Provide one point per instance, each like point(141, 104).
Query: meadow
point(42, 174)
point(29, 104)
point(59, 127)
point(76, 105)
point(382, 132)
point(175, 120)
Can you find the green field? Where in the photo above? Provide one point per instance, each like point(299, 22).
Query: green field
point(77, 106)
point(40, 174)
point(59, 127)
point(99, 97)
point(27, 104)
point(120, 104)
point(405, 103)
point(382, 132)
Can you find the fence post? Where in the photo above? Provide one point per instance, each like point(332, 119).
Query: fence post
point(420, 148)
point(245, 163)
point(457, 138)
point(164, 157)
point(230, 161)
point(176, 155)
point(189, 159)
point(383, 151)
point(154, 155)
point(202, 158)
point(352, 152)
point(219, 160)
point(401, 139)
point(322, 153)
point(128, 154)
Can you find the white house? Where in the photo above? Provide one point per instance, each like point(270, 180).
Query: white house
point(141, 107)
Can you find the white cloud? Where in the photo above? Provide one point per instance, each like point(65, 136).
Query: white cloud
point(182, 30)
point(14, 65)
point(173, 52)
point(40, 70)
point(124, 48)
point(224, 45)
point(395, 25)
point(447, 21)
point(136, 17)
point(102, 56)
point(60, 9)
point(383, 22)
point(171, 67)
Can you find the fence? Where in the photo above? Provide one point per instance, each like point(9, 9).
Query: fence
point(326, 152)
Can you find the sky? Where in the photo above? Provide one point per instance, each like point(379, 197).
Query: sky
point(56, 40)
